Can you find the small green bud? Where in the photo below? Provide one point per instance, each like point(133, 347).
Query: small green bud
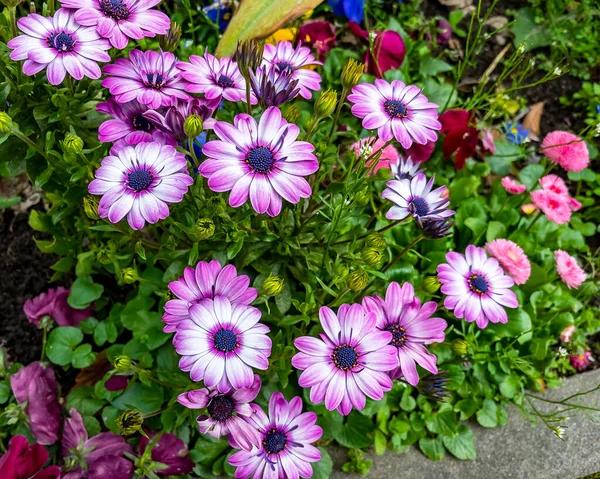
point(205, 228)
point(90, 206)
point(5, 122)
point(325, 104)
point(375, 240)
point(431, 284)
point(292, 114)
point(123, 364)
point(357, 280)
point(129, 275)
point(103, 256)
point(192, 126)
point(372, 256)
point(362, 197)
point(273, 285)
point(352, 73)
point(459, 347)
point(72, 144)
point(170, 41)
point(11, 3)
point(129, 422)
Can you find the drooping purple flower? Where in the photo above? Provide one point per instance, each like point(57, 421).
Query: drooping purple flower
point(93, 458)
point(24, 461)
point(476, 287)
point(53, 303)
point(396, 111)
point(59, 44)
point(36, 385)
point(171, 451)
point(287, 435)
point(350, 361)
point(120, 20)
point(207, 280)
point(263, 162)
point(273, 88)
point(412, 327)
point(227, 413)
point(221, 343)
point(139, 182)
point(149, 77)
point(405, 169)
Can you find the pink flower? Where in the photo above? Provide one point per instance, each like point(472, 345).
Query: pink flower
point(553, 206)
point(566, 149)
point(53, 303)
point(23, 461)
point(486, 138)
point(581, 361)
point(366, 147)
point(170, 451)
point(511, 186)
point(566, 334)
point(568, 269)
point(319, 35)
point(512, 258)
point(554, 183)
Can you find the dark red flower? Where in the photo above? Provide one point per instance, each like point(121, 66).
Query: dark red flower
point(461, 135)
point(319, 35)
point(23, 461)
point(388, 50)
point(171, 451)
point(116, 383)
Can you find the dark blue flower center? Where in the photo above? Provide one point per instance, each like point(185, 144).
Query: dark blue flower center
point(274, 441)
point(224, 81)
point(115, 9)
point(284, 67)
point(225, 340)
point(477, 284)
point(260, 159)
point(398, 334)
point(220, 408)
point(63, 42)
point(395, 108)
point(345, 357)
point(140, 123)
point(139, 180)
point(418, 206)
point(155, 80)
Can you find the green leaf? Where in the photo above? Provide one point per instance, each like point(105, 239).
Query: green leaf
point(83, 399)
point(433, 448)
point(440, 93)
point(92, 426)
point(84, 292)
point(407, 403)
point(460, 444)
point(466, 407)
point(83, 356)
point(442, 422)
point(495, 230)
point(354, 433)
point(146, 399)
point(510, 386)
point(323, 468)
point(380, 442)
point(62, 343)
point(504, 155)
point(528, 33)
point(430, 66)
point(5, 392)
point(488, 415)
point(530, 175)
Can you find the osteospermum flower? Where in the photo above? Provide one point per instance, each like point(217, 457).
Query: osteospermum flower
point(512, 258)
point(227, 413)
point(511, 186)
point(286, 448)
point(568, 269)
point(120, 20)
point(396, 111)
point(476, 288)
point(350, 361)
point(221, 343)
point(405, 168)
point(207, 280)
point(566, 149)
point(412, 327)
point(556, 208)
point(263, 162)
point(284, 58)
point(59, 44)
point(414, 198)
point(139, 182)
point(149, 77)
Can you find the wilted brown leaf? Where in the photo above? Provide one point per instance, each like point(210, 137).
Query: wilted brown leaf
point(94, 373)
point(532, 120)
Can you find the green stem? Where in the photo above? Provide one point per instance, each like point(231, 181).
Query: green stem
point(539, 215)
point(311, 129)
point(402, 253)
point(337, 113)
point(13, 21)
point(248, 103)
point(381, 230)
point(28, 141)
point(44, 339)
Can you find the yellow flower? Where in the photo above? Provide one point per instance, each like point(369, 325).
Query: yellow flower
point(283, 35)
point(308, 14)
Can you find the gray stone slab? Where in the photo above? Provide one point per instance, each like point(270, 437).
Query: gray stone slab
point(518, 450)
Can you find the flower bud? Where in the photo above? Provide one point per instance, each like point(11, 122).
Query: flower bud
point(72, 144)
point(325, 104)
point(357, 280)
point(170, 41)
point(129, 422)
point(362, 197)
point(5, 122)
point(431, 284)
point(273, 285)
point(435, 386)
point(375, 240)
point(103, 256)
point(459, 347)
point(90, 207)
point(372, 256)
point(292, 114)
point(248, 55)
point(129, 275)
point(11, 3)
point(528, 208)
point(123, 364)
point(352, 73)
point(205, 228)
point(192, 126)
point(32, 7)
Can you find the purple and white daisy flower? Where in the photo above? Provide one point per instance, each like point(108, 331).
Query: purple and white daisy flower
point(59, 44)
point(415, 198)
point(149, 77)
point(283, 57)
point(397, 111)
point(411, 326)
point(263, 162)
point(120, 20)
point(227, 414)
point(221, 343)
point(350, 361)
point(139, 182)
point(476, 287)
point(206, 281)
point(405, 169)
point(287, 435)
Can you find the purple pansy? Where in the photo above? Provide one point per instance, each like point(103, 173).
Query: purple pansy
point(350, 361)
point(476, 287)
point(263, 161)
point(411, 326)
point(60, 44)
point(221, 343)
point(150, 77)
point(286, 449)
point(206, 281)
point(170, 451)
point(139, 182)
point(54, 303)
point(227, 413)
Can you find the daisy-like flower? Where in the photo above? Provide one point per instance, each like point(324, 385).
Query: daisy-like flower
point(227, 413)
point(396, 111)
point(512, 258)
point(59, 44)
point(350, 361)
point(221, 343)
point(149, 77)
point(566, 149)
point(476, 288)
point(284, 58)
point(273, 88)
point(415, 198)
point(405, 168)
point(286, 449)
point(207, 280)
point(556, 184)
point(511, 186)
point(556, 208)
point(263, 162)
point(139, 182)
point(412, 327)
point(569, 271)
point(171, 122)
point(581, 361)
point(120, 20)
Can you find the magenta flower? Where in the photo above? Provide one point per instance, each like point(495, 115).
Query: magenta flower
point(286, 449)
point(36, 386)
point(397, 111)
point(206, 281)
point(149, 77)
point(476, 287)
point(581, 361)
point(120, 20)
point(412, 327)
point(53, 303)
point(319, 35)
point(139, 182)
point(22, 461)
point(350, 361)
point(263, 162)
point(228, 413)
point(100, 456)
point(170, 451)
point(221, 343)
point(511, 186)
point(283, 57)
point(60, 44)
